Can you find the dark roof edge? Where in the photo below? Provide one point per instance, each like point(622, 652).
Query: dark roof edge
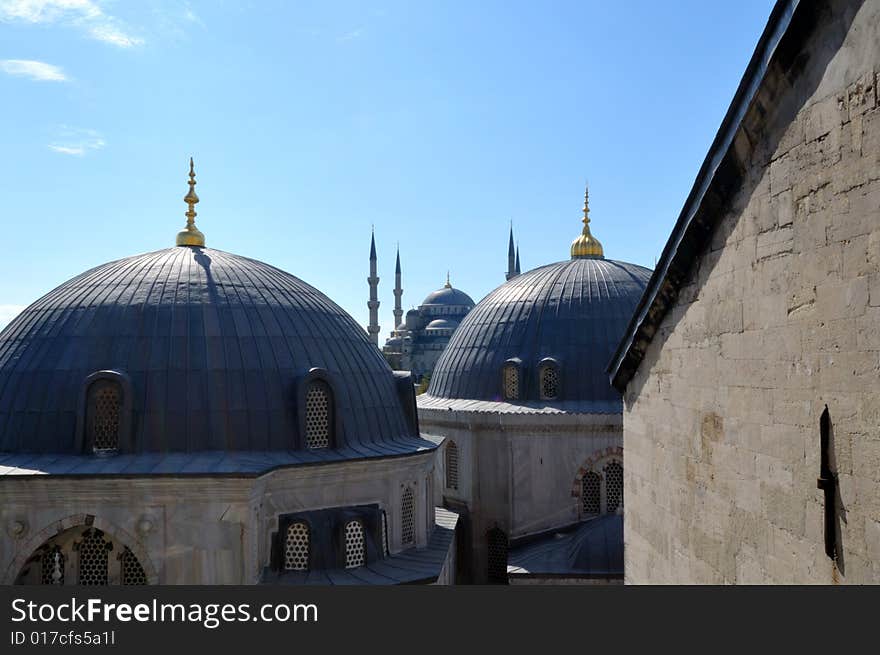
point(653, 306)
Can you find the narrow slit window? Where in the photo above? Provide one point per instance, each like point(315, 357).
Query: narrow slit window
point(452, 466)
point(296, 547)
point(319, 415)
point(103, 415)
point(407, 519)
point(355, 548)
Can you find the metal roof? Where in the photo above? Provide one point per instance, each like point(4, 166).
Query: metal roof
point(573, 311)
point(593, 549)
point(448, 296)
point(213, 344)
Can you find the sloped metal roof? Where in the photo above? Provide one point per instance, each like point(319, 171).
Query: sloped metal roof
point(573, 311)
point(213, 344)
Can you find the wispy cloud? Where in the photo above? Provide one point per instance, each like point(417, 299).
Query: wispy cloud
point(85, 15)
point(76, 141)
point(9, 312)
point(36, 70)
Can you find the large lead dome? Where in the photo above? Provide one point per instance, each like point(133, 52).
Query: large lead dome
point(564, 318)
point(214, 348)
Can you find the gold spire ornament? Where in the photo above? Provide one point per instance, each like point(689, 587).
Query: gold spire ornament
point(586, 245)
point(447, 285)
point(190, 235)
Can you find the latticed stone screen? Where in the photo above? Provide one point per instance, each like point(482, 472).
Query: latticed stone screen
point(52, 566)
point(104, 403)
point(613, 487)
point(549, 382)
point(452, 466)
point(497, 556)
point(132, 573)
point(511, 382)
point(318, 415)
point(591, 493)
point(355, 551)
point(296, 547)
point(93, 558)
point(407, 522)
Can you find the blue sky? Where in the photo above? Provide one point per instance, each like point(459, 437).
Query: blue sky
point(438, 123)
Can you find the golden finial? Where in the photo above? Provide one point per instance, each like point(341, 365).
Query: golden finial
point(586, 245)
point(447, 285)
point(190, 235)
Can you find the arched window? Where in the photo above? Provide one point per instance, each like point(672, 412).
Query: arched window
point(497, 556)
point(103, 411)
point(296, 547)
point(319, 415)
point(613, 487)
point(591, 493)
point(407, 520)
point(52, 566)
point(451, 465)
point(510, 382)
point(93, 558)
point(355, 552)
point(131, 572)
point(549, 379)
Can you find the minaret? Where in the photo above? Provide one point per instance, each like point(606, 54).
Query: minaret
point(517, 259)
point(511, 256)
point(373, 304)
point(398, 292)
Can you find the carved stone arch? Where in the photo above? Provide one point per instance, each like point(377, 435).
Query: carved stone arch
point(29, 545)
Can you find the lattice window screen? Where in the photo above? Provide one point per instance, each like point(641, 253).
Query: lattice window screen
point(132, 573)
point(296, 547)
point(511, 382)
point(93, 558)
point(549, 382)
point(452, 466)
point(384, 534)
point(407, 520)
point(318, 415)
point(613, 487)
point(497, 569)
point(52, 566)
point(591, 493)
point(355, 551)
point(105, 397)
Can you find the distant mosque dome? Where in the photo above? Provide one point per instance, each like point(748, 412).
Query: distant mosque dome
point(448, 296)
point(442, 324)
point(568, 316)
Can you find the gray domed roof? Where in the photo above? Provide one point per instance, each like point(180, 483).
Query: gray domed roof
point(572, 311)
point(448, 296)
point(442, 324)
point(214, 346)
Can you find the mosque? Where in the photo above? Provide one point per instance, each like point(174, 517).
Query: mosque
point(532, 458)
point(192, 416)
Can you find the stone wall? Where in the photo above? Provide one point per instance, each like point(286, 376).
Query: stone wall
point(780, 316)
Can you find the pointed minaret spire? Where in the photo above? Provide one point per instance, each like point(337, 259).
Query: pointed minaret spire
point(373, 303)
point(190, 235)
point(398, 292)
point(511, 256)
point(517, 258)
